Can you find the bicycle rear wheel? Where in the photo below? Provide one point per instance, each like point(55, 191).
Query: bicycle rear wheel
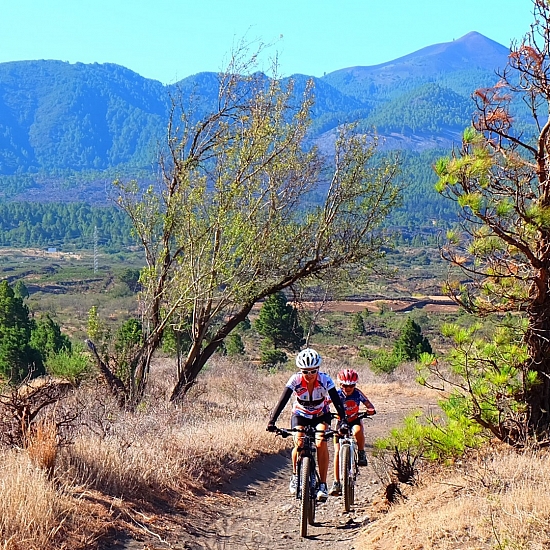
point(305, 499)
point(347, 477)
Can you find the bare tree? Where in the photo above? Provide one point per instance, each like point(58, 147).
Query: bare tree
point(246, 209)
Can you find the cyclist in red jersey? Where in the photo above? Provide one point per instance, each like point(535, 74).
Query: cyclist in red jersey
point(352, 398)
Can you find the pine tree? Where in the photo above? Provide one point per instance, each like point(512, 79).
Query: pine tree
point(17, 358)
point(411, 343)
point(46, 337)
point(357, 323)
point(234, 344)
point(278, 322)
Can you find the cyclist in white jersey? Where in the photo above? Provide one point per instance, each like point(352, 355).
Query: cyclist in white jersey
point(313, 390)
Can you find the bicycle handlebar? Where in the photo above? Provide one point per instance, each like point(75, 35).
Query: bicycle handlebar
point(286, 432)
point(360, 416)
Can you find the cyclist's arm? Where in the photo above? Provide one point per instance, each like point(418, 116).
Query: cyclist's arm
point(366, 401)
point(283, 400)
point(337, 402)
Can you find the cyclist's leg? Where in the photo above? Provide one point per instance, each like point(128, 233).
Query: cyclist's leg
point(322, 456)
point(336, 488)
point(297, 421)
point(322, 448)
point(336, 459)
point(359, 434)
point(337, 453)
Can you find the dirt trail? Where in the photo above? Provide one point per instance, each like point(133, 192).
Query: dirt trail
point(256, 510)
point(260, 513)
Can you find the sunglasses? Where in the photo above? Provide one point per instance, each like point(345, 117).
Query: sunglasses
point(313, 371)
point(347, 385)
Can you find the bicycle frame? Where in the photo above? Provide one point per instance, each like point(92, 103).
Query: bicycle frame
point(307, 489)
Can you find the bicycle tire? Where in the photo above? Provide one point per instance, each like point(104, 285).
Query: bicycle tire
point(312, 498)
point(305, 473)
point(347, 478)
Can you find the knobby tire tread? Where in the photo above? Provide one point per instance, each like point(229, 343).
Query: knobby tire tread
point(347, 478)
point(305, 473)
point(312, 499)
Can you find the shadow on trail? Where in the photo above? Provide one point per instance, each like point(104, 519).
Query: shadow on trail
point(261, 470)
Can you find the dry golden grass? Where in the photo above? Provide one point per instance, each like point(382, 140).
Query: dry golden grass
point(494, 500)
point(122, 468)
point(32, 511)
point(41, 445)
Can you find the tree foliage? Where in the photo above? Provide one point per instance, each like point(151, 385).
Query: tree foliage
point(500, 182)
point(411, 343)
point(17, 357)
point(358, 323)
point(278, 322)
point(234, 345)
point(485, 384)
point(231, 222)
point(28, 346)
point(46, 336)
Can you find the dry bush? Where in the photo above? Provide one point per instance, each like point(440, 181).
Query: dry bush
point(22, 406)
point(41, 445)
point(218, 430)
point(496, 500)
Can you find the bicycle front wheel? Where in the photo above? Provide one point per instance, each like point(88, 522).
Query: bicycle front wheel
point(312, 495)
point(347, 477)
point(305, 500)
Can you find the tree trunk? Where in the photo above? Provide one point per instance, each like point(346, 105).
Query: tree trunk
point(538, 341)
point(114, 383)
point(197, 359)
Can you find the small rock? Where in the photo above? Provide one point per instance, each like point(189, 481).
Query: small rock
point(251, 492)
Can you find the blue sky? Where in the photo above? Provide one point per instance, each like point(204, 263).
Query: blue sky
point(168, 40)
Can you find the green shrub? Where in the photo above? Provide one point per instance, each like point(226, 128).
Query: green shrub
point(234, 345)
point(382, 361)
point(72, 365)
point(357, 324)
point(273, 357)
point(411, 343)
point(436, 438)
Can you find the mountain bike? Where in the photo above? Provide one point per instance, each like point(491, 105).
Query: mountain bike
point(306, 470)
point(348, 463)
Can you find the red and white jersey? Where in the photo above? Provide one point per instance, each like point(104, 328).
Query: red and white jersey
point(314, 404)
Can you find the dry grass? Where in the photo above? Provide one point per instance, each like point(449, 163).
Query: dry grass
point(494, 500)
point(41, 445)
point(122, 468)
point(32, 510)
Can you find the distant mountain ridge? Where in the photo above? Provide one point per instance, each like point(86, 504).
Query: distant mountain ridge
point(58, 118)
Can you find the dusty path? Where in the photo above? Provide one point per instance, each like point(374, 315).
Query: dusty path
point(256, 511)
point(260, 513)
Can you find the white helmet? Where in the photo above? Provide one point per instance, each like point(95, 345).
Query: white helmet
point(308, 359)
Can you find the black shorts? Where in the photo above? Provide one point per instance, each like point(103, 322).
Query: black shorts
point(355, 422)
point(297, 420)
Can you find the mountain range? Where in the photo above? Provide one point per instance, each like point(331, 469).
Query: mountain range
point(65, 129)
